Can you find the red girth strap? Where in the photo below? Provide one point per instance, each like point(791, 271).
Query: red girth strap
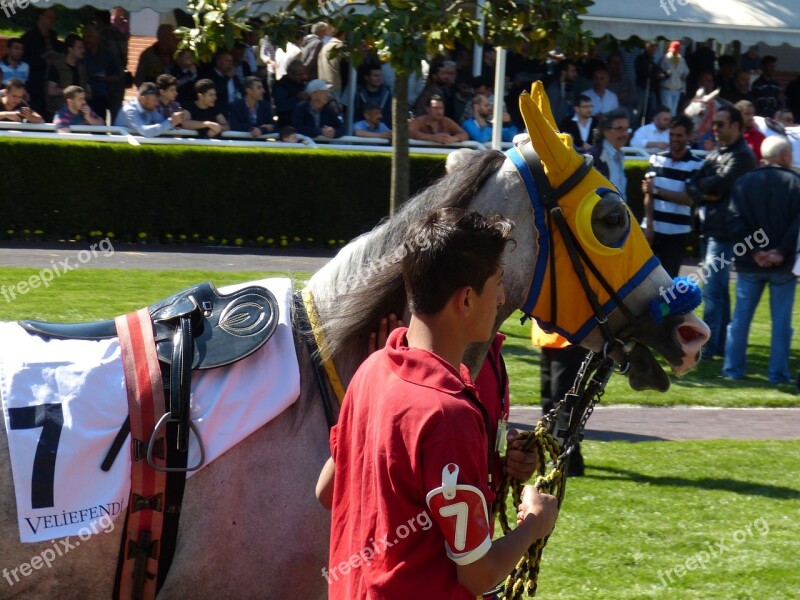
point(145, 518)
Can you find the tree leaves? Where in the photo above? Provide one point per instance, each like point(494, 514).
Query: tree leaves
point(217, 25)
point(405, 32)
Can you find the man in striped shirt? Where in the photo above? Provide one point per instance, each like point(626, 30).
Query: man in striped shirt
point(667, 206)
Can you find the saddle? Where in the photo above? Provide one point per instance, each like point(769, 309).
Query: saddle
point(214, 329)
point(224, 328)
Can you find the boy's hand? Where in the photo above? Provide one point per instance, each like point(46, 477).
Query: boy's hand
point(520, 465)
point(377, 339)
point(541, 507)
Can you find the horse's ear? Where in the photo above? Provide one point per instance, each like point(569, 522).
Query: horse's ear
point(555, 149)
point(543, 102)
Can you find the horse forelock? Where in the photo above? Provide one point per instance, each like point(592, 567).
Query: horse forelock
point(364, 281)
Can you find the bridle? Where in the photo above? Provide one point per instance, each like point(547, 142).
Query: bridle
point(544, 199)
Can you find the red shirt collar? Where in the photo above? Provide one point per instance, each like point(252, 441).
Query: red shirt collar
point(425, 368)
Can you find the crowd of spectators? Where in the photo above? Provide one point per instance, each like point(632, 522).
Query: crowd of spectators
point(650, 86)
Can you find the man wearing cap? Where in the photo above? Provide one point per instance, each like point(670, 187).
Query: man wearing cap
point(315, 117)
point(676, 70)
point(140, 114)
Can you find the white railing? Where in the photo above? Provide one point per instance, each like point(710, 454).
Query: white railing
point(633, 153)
point(113, 134)
point(227, 139)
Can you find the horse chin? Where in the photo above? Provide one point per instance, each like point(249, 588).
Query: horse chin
point(645, 371)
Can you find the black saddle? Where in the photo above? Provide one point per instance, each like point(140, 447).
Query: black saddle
point(224, 328)
point(214, 329)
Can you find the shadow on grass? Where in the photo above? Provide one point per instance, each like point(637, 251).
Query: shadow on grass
point(747, 488)
point(521, 354)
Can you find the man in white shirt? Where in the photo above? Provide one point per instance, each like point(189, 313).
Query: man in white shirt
point(284, 57)
point(603, 99)
point(654, 137)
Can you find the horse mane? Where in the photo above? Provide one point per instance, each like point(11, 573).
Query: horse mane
point(364, 282)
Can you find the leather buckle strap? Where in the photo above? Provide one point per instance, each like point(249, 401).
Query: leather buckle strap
point(141, 552)
point(180, 380)
point(140, 448)
point(155, 502)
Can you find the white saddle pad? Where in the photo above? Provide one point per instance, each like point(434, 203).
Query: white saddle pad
point(66, 401)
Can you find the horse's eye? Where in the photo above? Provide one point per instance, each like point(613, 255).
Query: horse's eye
point(611, 220)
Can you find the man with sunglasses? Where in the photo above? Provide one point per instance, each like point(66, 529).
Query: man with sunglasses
point(711, 190)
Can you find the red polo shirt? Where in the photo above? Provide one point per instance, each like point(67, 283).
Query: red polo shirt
point(410, 451)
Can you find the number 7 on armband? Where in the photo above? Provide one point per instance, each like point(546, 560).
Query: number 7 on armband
point(462, 516)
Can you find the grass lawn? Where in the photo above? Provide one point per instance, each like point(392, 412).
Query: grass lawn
point(628, 528)
point(88, 294)
point(642, 508)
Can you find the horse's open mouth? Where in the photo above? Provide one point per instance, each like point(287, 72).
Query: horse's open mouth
point(646, 373)
point(680, 349)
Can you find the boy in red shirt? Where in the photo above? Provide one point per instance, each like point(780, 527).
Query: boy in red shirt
point(410, 454)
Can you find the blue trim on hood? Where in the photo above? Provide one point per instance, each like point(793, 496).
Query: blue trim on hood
point(540, 223)
point(608, 307)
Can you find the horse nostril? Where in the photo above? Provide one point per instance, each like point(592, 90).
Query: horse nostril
point(687, 334)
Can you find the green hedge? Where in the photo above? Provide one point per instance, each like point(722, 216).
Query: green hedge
point(67, 189)
point(58, 190)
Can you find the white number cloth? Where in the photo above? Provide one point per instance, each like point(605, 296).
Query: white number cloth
point(64, 402)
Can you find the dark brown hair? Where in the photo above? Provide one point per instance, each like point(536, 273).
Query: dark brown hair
point(448, 249)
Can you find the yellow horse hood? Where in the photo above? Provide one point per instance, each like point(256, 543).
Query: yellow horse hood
point(623, 265)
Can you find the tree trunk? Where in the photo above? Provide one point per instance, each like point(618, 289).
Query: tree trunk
point(400, 161)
